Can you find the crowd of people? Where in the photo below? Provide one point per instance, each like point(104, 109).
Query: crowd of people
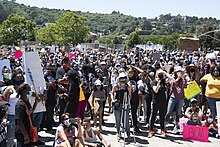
point(133, 84)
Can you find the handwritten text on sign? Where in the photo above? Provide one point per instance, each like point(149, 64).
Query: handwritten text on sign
point(196, 133)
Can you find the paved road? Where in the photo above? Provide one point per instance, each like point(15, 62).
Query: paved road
point(109, 132)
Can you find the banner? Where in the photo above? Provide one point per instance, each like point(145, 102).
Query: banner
point(183, 122)
point(3, 63)
point(32, 66)
point(196, 133)
point(192, 90)
point(18, 54)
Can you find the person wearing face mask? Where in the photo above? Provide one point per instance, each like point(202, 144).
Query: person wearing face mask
point(194, 120)
point(98, 98)
point(6, 77)
point(69, 134)
point(9, 95)
point(212, 91)
point(212, 125)
point(22, 122)
point(159, 99)
point(176, 99)
point(121, 93)
point(92, 137)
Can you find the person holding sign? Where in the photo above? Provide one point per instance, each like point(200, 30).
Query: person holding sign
point(193, 109)
point(212, 92)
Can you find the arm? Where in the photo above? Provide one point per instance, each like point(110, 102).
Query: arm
point(7, 93)
point(101, 138)
point(23, 131)
point(63, 137)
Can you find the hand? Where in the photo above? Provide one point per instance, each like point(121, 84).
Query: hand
point(26, 140)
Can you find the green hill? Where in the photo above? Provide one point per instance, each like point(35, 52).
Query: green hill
point(114, 23)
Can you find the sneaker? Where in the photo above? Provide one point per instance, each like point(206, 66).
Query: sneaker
point(163, 132)
point(129, 139)
point(175, 130)
point(150, 134)
point(118, 136)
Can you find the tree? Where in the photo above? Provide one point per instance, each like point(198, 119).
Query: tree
point(15, 29)
point(71, 29)
point(133, 39)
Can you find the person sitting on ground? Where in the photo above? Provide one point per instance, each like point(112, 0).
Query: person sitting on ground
point(67, 134)
point(92, 137)
point(194, 120)
point(211, 124)
point(193, 109)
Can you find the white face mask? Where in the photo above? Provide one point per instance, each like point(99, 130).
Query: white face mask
point(67, 122)
point(210, 120)
point(30, 93)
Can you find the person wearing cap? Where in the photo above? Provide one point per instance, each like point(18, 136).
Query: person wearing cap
point(212, 91)
point(3, 122)
point(176, 99)
point(97, 104)
point(121, 92)
point(193, 109)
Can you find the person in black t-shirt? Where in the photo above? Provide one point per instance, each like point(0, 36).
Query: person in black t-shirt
point(159, 100)
point(63, 84)
point(22, 122)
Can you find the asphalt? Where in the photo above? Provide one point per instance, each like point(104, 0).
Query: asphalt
point(109, 133)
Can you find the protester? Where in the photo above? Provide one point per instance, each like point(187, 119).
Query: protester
point(67, 134)
point(92, 137)
point(6, 73)
point(10, 95)
point(212, 125)
point(121, 97)
point(212, 91)
point(176, 99)
point(3, 122)
point(22, 110)
point(159, 99)
point(194, 120)
point(193, 109)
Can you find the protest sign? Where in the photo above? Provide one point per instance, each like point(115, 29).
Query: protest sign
point(18, 54)
point(32, 66)
point(3, 63)
point(182, 122)
point(192, 90)
point(196, 133)
point(52, 49)
point(156, 57)
point(218, 120)
point(72, 56)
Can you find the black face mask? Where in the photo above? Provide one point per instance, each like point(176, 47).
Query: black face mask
point(19, 82)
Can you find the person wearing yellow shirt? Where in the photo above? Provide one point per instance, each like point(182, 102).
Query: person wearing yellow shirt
point(212, 91)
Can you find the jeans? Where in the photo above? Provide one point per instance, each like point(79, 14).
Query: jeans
point(212, 105)
point(11, 131)
point(120, 117)
point(174, 102)
point(147, 100)
point(37, 119)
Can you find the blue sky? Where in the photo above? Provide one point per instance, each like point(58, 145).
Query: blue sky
point(142, 8)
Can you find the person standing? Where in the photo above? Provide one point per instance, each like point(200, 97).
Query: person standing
point(22, 122)
point(121, 95)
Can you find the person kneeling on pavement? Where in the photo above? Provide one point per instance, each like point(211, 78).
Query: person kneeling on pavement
point(69, 134)
point(92, 137)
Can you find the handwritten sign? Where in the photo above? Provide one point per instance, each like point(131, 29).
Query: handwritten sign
point(18, 54)
point(192, 90)
point(196, 133)
point(182, 122)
